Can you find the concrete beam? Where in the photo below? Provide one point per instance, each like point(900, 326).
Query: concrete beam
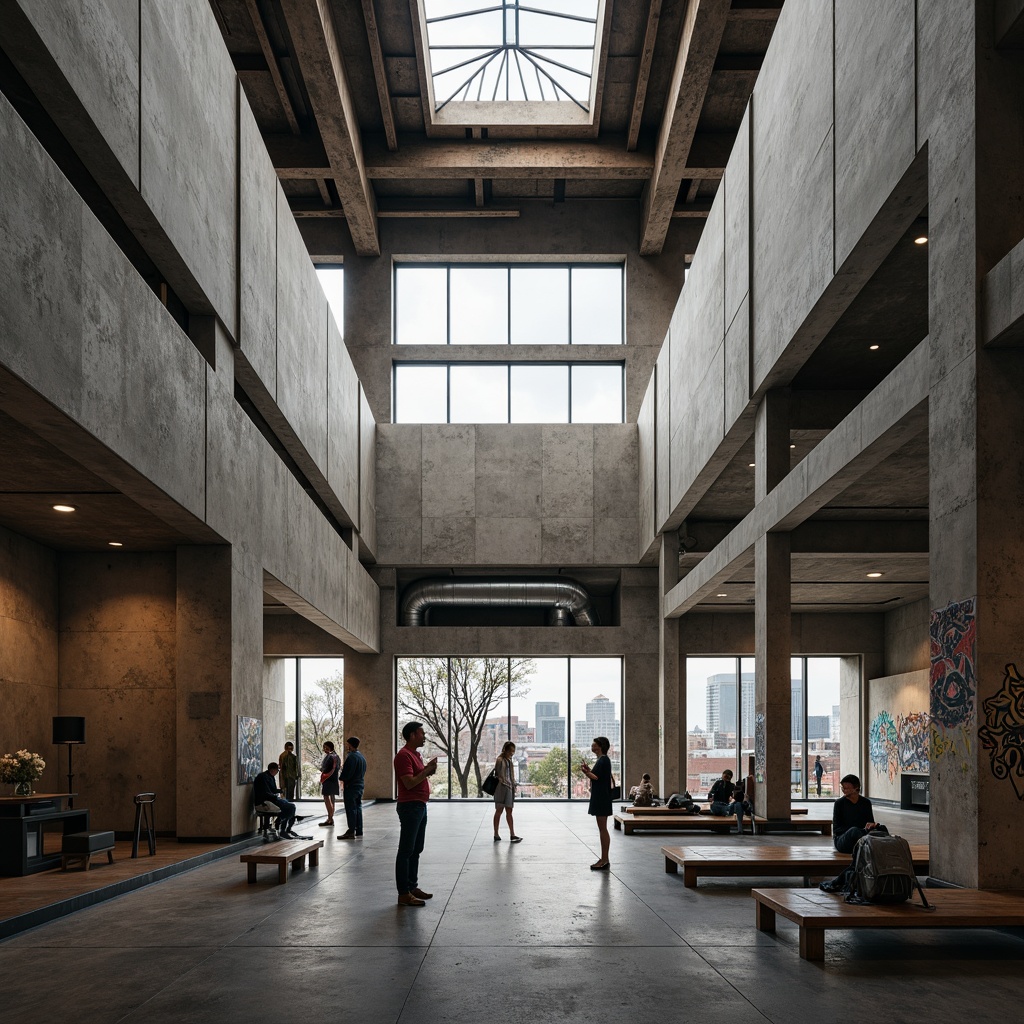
point(1009, 24)
point(380, 77)
point(276, 589)
point(318, 54)
point(895, 412)
point(1002, 301)
point(695, 61)
point(643, 75)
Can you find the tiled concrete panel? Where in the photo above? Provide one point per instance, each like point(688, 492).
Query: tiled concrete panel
point(736, 186)
point(567, 541)
point(449, 471)
point(97, 47)
point(792, 178)
point(678, 367)
point(705, 294)
point(512, 541)
point(342, 423)
point(189, 134)
point(703, 431)
point(567, 471)
point(615, 470)
point(508, 470)
point(615, 541)
point(367, 474)
point(875, 100)
point(257, 268)
point(301, 339)
point(399, 470)
point(449, 541)
point(663, 437)
point(399, 541)
point(737, 365)
point(646, 471)
point(364, 604)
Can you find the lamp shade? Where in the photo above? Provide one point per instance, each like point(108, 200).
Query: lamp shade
point(68, 729)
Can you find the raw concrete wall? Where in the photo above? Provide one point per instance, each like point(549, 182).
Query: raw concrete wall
point(497, 494)
point(542, 231)
point(906, 638)
point(117, 651)
point(898, 733)
point(28, 652)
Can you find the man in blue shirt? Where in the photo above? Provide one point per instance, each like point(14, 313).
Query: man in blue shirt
point(353, 772)
point(266, 797)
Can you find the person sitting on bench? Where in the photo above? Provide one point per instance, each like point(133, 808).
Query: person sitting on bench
point(852, 816)
point(643, 795)
point(740, 806)
point(720, 796)
point(267, 797)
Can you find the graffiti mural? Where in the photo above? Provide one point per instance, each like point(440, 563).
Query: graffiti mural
point(1002, 735)
point(952, 681)
point(882, 743)
point(760, 747)
point(913, 735)
point(250, 749)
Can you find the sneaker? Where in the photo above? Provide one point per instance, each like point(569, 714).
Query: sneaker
point(407, 899)
point(830, 887)
point(497, 839)
point(515, 839)
point(347, 835)
point(327, 824)
point(421, 895)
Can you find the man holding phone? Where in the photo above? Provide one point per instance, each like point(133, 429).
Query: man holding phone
point(411, 775)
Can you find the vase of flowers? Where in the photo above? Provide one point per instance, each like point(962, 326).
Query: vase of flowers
point(22, 768)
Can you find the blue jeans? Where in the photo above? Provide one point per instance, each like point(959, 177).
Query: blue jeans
point(846, 841)
point(412, 817)
point(286, 819)
point(738, 807)
point(721, 809)
point(353, 797)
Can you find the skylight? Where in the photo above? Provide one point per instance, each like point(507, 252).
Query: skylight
point(497, 51)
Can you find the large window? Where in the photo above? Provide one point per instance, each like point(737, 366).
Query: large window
point(509, 393)
point(720, 722)
point(508, 304)
point(316, 686)
point(551, 708)
point(332, 279)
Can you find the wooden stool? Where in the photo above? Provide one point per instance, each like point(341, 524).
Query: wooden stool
point(80, 846)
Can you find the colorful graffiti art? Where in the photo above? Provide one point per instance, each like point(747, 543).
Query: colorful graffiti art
point(1002, 735)
point(760, 747)
point(882, 743)
point(250, 749)
point(913, 738)
point(953, 683)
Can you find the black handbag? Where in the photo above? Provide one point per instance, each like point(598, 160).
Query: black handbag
point(616, 791)
point(490, 784)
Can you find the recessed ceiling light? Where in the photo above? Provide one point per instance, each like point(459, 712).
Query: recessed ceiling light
point(873, 575)
point(115, 544)
point(721, 595)
point(921, 240)
point(751, 465)
point(792, 446)
point(63, 508)
point(873, 348)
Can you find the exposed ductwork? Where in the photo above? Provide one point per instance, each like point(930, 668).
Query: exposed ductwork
point(566, 599)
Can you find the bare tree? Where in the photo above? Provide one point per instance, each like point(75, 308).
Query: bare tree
point(455, 710)
point(322, 706)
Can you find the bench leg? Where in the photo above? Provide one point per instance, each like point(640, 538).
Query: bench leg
point(299, 864)
point(252, 873)
point(689, 877)
point(110, 856)
point(617, 824)
point(628, 829)
point(764, 917)
point(282, 872)
point(671, 867)
point(812, 943)
point(314, 857)
point(827, 830)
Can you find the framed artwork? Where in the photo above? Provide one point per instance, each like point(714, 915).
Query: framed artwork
point(250, 749)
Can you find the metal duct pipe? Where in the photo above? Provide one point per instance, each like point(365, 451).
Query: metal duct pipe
point(563, 596)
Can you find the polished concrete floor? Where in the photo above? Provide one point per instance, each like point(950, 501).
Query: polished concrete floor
point(514, 933)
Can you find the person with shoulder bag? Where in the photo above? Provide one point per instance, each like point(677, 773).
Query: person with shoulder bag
point(330, 787)
point(600, 796)
point(505, 792)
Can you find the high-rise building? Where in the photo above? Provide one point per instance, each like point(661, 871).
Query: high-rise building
point(600, 721)
point(550, 726)
point(721, 703)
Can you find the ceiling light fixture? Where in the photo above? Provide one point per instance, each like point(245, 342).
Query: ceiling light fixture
point(721, 595)
point(63, 508)
point(921, 240)
point(873, 575)
point(751, 464)
point(873, 348)
point(792, 446)
point(114, 544)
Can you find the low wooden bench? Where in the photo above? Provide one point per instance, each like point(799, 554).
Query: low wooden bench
point(744, 861)
point(283, 853)
point(798, 821)
point(661, 811)
point(814, 911)
point(630, 823)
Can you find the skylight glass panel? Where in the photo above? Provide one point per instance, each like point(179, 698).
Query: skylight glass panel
point(511, 50)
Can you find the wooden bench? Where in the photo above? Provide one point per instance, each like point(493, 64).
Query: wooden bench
point(744, 861)
point(659, 811)
point(797, 822)
point(814, 911)
point(630, 823)
point(283, 853)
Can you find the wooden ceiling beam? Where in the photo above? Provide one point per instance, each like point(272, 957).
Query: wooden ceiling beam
point(272, 66)
point(695, 61)
point(643, 74)
point(317, 53)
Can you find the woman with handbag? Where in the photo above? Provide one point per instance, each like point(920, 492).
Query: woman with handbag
point(329, 785)
point(600, 796)
point(505, 794)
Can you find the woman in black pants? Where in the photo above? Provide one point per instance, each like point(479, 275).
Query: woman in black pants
point(600, 796)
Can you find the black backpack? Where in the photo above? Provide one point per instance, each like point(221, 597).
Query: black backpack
point(882, 871)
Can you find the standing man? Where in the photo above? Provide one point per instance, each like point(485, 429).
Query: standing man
point(267, 797)
point(819, 770)
point(411, 775)
point(289, 770)
point(353, 772)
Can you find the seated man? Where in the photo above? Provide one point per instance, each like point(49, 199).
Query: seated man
point(852, 816)
point(740, 806)
point(720, 796)
point(267, 797)
point(643, 795)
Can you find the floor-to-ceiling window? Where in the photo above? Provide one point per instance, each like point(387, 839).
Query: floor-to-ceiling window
point(551, 708)
point(316, 687)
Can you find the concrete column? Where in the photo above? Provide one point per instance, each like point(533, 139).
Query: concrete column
point(671, 681)
point(772, 620)
point(370, 715)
